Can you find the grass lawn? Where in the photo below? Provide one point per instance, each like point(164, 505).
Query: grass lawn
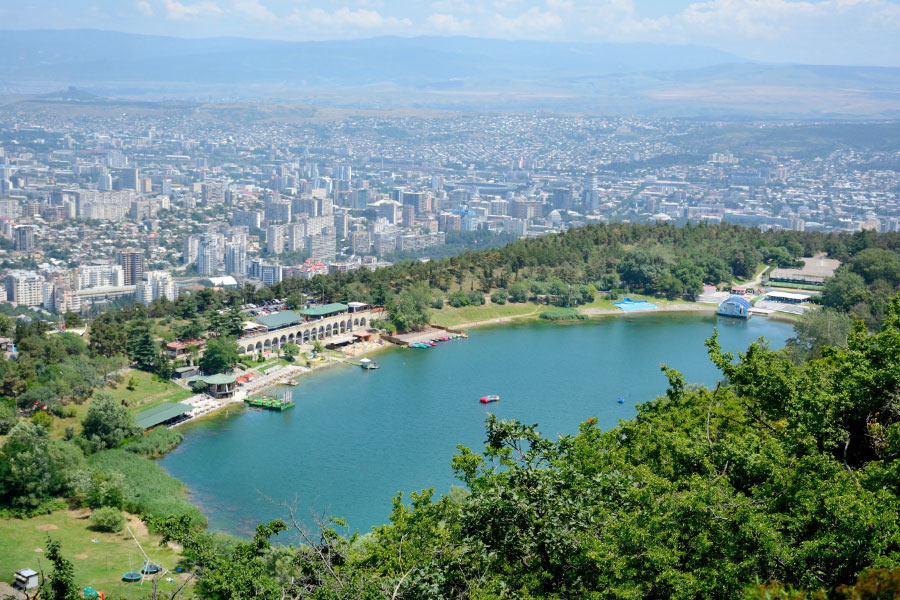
point(274, 362)
point(148, 392)
point(99, 565)
point(449, 316)
point(610, 304)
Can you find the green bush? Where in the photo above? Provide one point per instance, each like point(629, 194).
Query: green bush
point(43, 419)
point(8, 418)
point(158, 442)
point(107, 519)
point(499, 297)
point(562, 314)
point(458, 299)
point(518, 292)
point(476, 298)
point(148, 489)
point(437, 303)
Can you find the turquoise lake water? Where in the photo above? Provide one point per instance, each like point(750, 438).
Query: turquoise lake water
point(356, 438)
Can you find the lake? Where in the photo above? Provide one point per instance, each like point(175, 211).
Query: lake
point(355, 438)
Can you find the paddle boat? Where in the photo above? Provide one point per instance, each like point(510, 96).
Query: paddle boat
point(489, 399)
point(621, 400)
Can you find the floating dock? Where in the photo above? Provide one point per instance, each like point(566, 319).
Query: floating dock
point(270, 403)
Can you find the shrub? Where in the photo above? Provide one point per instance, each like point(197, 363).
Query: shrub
point(108, 519)
point(68, 411)
point(562, 314)
point(8, 418)
point(518, 292)
point(43, 419)
point(437, 303)
point(148, 489)
point(499, 297)
point(476, 298)
point(458, 299)
point(158, 442)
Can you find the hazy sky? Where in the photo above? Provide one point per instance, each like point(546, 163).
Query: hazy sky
point(814, 31)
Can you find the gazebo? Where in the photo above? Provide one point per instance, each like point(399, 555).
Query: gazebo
point(217, 386)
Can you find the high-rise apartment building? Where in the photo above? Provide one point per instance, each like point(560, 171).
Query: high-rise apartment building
point(189, 253)
point(24, 238)
point(133, 265)
point(276, 236)
point(420, 200)
point(130, 179)
point(208, 254)
point(25, 288)
point(270, 274)
point(236, 259)
point(322, 246)
point(278, 210)
point(94, 276)
point(156, 284)
point(251, 219)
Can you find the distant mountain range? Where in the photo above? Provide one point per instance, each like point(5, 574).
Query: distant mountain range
point(86, 56)
point(455, 73)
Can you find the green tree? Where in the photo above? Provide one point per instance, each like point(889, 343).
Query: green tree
point(410, 308)
point(73, 320)
point(290, 350)
point(108, 335)
point(845, 290)
point(33, 467)
point(108, 519)
point(142, 348)
point(518, 292)
point(220, 355)
point(817, 329)
point(107, 423)
point(61, 583)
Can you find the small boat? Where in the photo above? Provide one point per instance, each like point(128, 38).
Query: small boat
point(368, 365)
point(489, 399)
point(621, 400)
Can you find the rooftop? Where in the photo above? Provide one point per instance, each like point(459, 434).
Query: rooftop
point(217, 379)
point(325, 309)
point(160, 414)
point(279, 319)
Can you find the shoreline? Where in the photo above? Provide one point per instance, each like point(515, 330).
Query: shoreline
point(298, 371)
point(592, 313)
point(332, 361)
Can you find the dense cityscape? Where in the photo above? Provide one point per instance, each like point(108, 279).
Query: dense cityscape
point(94, 210)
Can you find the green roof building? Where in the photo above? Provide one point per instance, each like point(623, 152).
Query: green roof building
point(284, 318)
point(217, 386)
point(326, 310)
point(160, 414)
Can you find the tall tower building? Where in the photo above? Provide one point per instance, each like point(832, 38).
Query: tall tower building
point(129, 179)
point(236, 259)
point(208, 254)
point(24, 238)
point(133, 265)
point(189, 254)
